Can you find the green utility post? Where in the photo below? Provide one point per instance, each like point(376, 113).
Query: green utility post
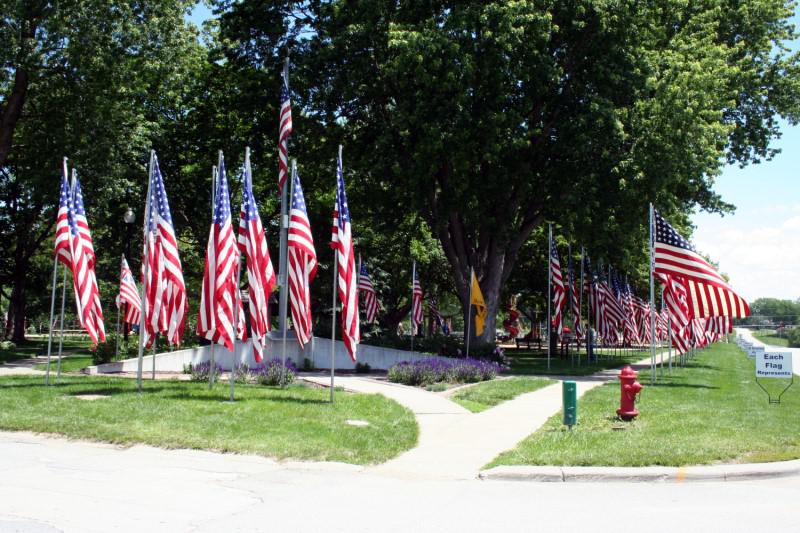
point(570, 400)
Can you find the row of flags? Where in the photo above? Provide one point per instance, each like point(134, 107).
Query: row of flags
point(75, 250)
point(221, 314)
point(220, 302)
point(697, 303)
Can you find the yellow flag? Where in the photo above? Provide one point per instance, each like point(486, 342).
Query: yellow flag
point(480, 306)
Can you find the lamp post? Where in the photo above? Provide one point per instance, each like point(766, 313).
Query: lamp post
point(129, 217)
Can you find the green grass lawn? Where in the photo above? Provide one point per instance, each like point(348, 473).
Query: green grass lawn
point(710, 411)
point(531, 362)
point(38, 346)
point(69, 363)
point(297, 422)
point(769, 337)
point(482, 396)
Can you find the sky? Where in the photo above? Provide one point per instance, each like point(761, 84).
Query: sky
point(758, 246)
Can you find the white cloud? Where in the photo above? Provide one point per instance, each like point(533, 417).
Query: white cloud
point(762, 258)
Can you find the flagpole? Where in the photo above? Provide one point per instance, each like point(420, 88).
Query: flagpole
point(589, 332)
point(616, 332)
point(61, 322)
point(119, 303)
point(335, 289)
point(53, 299)
point(413, 279)
point(284, 235)
point(571, 283)
point(580, 308)
point(64, 288)
point(214, 171)
point(549, 288)
point(145, 272)
point(660, 345)
point(469, 311)
point(652, 306)
point(236, 297)
point(284, 295)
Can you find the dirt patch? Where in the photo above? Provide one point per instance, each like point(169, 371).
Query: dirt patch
point(91, 397)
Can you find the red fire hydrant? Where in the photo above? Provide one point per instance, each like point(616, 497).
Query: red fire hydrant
point(629, 388)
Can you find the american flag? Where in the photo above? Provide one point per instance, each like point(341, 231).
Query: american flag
point(719, 325)
point(559, 292)
point(83, 224)
point(260, 274)
point(220, 294)
point(630, 328)
point(302, 263)
point(165, 292)
point(417, 313)
point(662, 323)
point(678, 312)
point(284, 131)
point(87, 295)
point(342, 243)
point(642, 313)
point(433, 307)
point(698, 329)
point(368, 293)
point(62, 246)
point(708, 294)
point(587, 278)
point(610, 314)
point(129, 295)
point(574, 302)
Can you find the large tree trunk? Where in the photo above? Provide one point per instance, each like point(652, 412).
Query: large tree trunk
point(490, 250)
point(12, 111)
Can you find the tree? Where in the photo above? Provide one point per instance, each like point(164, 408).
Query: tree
point(95, 81)
point(490, 118)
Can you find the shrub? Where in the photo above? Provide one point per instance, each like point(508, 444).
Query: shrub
point(270, 372)
point(793, 336)
point(433, 370)
point(242, 374)
point(363, 368)
point(201, 371)
point(105, 352)
point(7, 346)
point(308, 364)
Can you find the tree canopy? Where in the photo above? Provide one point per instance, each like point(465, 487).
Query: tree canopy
point(467, 126)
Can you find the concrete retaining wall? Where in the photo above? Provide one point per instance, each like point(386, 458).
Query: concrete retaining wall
point(318, 351)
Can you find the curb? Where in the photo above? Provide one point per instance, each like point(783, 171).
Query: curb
point(646, 474)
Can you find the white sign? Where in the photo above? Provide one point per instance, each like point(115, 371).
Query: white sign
point(755, 351)
point(774, 364)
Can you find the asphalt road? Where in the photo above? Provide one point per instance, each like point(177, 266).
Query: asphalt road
point(49, 484)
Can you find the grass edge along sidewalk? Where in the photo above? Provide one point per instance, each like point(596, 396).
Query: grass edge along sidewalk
point(295, 423)
point(484, 395)
point(709, 412)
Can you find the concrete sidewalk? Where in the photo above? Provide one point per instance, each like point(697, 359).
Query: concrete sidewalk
point(455, 443)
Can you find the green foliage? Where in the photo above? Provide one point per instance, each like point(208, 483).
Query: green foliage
point(107, 351)
point(773, 311)
point(101, 82)
point(363, 368)
point(793, 337)
point(461, 115)
point(7, 346)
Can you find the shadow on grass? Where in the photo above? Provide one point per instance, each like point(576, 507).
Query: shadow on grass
point(680, 385)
